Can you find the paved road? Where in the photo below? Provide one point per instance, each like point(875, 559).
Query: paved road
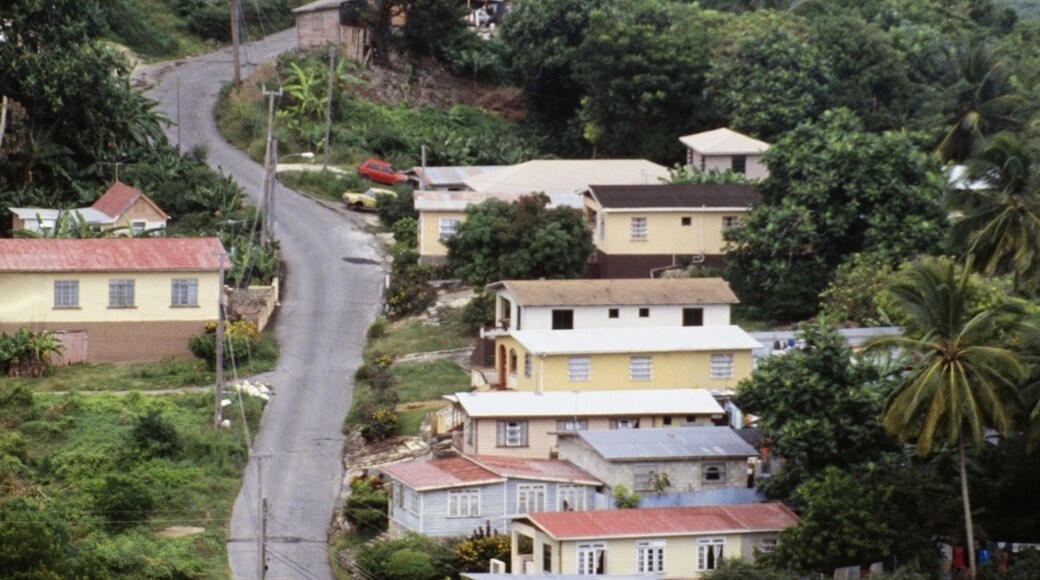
point(331, 294)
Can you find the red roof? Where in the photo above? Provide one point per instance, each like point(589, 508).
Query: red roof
point(677, 521)
point(110, 255)
point(119, 198)
point(480, 469)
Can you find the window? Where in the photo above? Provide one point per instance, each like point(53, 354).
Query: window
point(709, 552)
point(120, 293)
point(612, 313)
point(448, 227)
point(643, 476)
point(730, 221)
point(650, 556)
point(687, 221)
point(624, 423)
point(398, 491)
point(666, 421)
point(66, 293)
point(530, 498)
point(512, 433)
point(721, 366)
point(767, 545)
point(547, 558)
point(185, 292)
point(562, 319)
point(640, 368)
point(739, 164)
point(570, 498)
point(413, 501)
point(644, 313)
point(578, 368)
point(693, 317)
point(713, 472)
point(572, 425)
point(464, 503)
point(639, 228)
point(592, 559)
point(137, 227)
point(527, 364)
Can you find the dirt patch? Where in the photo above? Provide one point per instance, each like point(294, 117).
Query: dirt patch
point(179, 531)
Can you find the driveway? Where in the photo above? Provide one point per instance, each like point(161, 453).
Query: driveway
point(330, 296)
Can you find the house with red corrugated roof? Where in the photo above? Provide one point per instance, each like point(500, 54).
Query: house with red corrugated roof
point(121, 206)
point(112, 299)
point(454, 496)
point(676, 543)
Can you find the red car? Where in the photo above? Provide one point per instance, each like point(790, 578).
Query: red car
point(380, 171)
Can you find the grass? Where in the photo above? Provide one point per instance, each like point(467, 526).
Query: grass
point(429, 380)
point(412, 336)
point(411, 415)
point(328, 186)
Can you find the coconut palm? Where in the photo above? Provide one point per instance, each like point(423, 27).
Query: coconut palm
point(1000, 220)
point(962, 380)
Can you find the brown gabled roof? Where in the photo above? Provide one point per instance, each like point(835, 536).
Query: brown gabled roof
point(110, 255)
point(119, 198)
point(620, 292)
point(688, 196)
point(677, 521)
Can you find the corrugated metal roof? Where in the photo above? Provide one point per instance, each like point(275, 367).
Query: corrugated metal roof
point(620, 292)
point(650, 522)
point(588, 403)
point(111, 255)
point(541, 469)
point(723, 142)
point(460, 200)
point(91, 215)
point(666, 196)
point(468, 470)
point(567, 175)
point(118, 199)
point(635, 340)
point(319, 5)
point(667, 443)
point(450, 175)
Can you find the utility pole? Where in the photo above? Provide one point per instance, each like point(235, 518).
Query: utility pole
point(261, 537)
point(422, 179)
point(218, 410)
point(265, 234)
point(263, 540)
point(271, 181)
point(328, 106)
point(3, 119)
point(233, 4)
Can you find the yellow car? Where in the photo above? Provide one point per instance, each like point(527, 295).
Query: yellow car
point(365, 200)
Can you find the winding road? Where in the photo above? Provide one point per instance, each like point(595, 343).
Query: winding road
point(330, 296)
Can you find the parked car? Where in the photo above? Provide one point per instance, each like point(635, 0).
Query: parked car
point(365, 200)
point(380, 171)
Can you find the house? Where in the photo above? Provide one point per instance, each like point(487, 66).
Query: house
point(726, 150)
point(454, 496)
point(121, 206)
point(441, 212)
point(675, 543)
point(447, 178)
point(338, 23)
point(662, 461)
point(713, 357)
point(526, 424)
point(640, 231)
point(552, 176)
point(125, 299)
point(611, 303)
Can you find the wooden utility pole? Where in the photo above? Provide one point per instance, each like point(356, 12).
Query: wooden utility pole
point(422, 179)
point(271, 181)
point(261, 536)
point(328, 106)
point(265, 233)
point(3, 120)
point(218, 409)
point(233, 4)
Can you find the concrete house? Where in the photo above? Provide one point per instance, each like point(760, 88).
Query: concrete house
point(640, 231)
point(726, 150)
point(662, 461)
point(712, 357)
point(338, 23)
point(446, 178)
point(527, 424)
point(611, 303)
point(119, 299)
point(675, 543)
point(121, 206)
point(454, 496)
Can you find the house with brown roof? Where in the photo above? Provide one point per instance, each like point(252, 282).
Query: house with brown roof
point(112, 299)
point(121, 206)
point(640, 231)
point(454, 496)
point(675, 543)
point(726, 150)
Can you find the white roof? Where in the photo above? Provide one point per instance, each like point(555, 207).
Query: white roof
point(723, 142)
point(460, 200)
point(568, 175)
point(588, 403)
point(90, 214)
point(635, 340)
point(957, 176)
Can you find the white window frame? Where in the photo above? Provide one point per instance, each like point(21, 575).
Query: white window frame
point(722, 365)
point(527, 365)
point(184, 292)
point(650, 556)
point(512, 434)
point(448, 227)
point(579, 368)
point(571, 425)
point(414, 501)
point(638, 228)
point(624, 423)
point(121, 293)
point(641, 368)
point(574, 495)
point(66, 293)
point(588, 556)
point(767, 545)
point(138, 226)
point(530, 498)
point(643, 476)
point(464, 503)
point(730, 222)
point(709, 552)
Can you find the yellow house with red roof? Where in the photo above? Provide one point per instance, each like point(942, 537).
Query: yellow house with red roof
point(117, 299)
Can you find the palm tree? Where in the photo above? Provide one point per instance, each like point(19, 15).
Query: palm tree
point(1000, 223)
point(962, 381)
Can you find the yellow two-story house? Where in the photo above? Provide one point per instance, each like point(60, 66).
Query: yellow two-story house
point(640, 231)
point(119, 299)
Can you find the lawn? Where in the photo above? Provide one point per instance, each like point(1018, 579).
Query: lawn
point(412, 336)
point(429, 380)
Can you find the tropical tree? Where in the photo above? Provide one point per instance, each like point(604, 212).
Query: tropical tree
point(961, 379)
point(1000, 227)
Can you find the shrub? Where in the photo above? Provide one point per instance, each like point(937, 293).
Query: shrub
point(394, 208)
point(381, 424)
point(366, 508)
point(624, 498)
point(409, 292)
point(406, 232)
point(123, 501)
point(240, 337)
point(377, 330)
point(422, 558)
point(17, 405)
point(211, 22)
point(155, 436)
point(473, 553)
point(478, 312)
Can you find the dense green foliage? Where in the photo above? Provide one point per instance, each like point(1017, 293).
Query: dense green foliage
point(367, 506)
point(413, 557)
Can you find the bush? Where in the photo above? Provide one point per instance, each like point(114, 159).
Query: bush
point(241, 336)
point(17, 405)
point(210, 22)
point(394, 208)
point(479, 312)
point(155, 436)
point(123, 501)
point(473, 553)
point(409, 292)
point(376, 331)
point(624, 498)
point(406, 232)
point(366, 508)
point(381, 424)
point(422, 558)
